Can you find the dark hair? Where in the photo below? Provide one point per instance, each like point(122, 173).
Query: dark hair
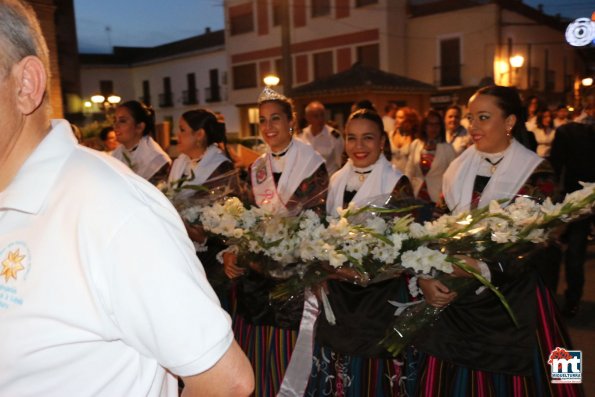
point(371, 115)
point(207, 120)
point(286, 105)
point(509, 101)
point(141, 113)
point(423, 135)
point(539, 120)
point(104, 132)
point(456, 107)
point(365, 104)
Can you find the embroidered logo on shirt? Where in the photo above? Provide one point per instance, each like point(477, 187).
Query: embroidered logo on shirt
point(12, 264)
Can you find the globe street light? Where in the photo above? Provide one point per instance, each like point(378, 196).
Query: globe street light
point(271, 80)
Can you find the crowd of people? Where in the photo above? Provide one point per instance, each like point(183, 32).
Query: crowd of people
point(111, 293)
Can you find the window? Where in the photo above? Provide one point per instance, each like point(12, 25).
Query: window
point(369, 55)
point(535, 83)
point(146, 98)
point(241, 19)
point(321, 8)
point(450, 62)
point(361, 3)
point(106, 87)
point(212, 92)
point(276, 4)
point(550, 83)
point(323, 65)
point(166, 98)
point(190, 95)
point(244, 76)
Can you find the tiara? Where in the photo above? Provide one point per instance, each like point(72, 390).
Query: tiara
point(268, 94)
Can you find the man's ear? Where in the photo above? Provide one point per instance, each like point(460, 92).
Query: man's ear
point(31, 79)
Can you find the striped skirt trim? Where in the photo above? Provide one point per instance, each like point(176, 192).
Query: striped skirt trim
point(442, 378)
point(269, 350)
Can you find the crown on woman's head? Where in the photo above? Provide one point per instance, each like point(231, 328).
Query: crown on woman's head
point(268, 94)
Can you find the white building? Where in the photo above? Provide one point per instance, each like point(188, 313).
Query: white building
point(172, 78)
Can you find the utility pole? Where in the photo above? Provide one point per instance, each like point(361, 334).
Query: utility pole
point(287, 75)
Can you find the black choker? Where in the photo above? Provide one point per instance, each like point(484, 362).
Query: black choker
point(493, 163)
point(279, 155)
point(362, 174)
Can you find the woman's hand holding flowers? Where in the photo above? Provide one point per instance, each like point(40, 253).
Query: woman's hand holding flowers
point(436, 293)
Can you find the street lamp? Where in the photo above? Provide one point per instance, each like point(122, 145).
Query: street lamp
point(271, 80)
point(114, 99)
point(516, 62)
point(587, 81)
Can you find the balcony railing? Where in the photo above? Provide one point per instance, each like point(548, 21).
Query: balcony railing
point(448, 75)
point(213, 94)
point(166, 100)
point(190, 97)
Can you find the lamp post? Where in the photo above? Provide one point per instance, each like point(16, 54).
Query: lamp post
point(107, 105)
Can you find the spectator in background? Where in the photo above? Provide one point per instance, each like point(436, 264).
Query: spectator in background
point(534, 106)
point(388, 120)
point(544, 132)
point(326, 140)
point(406, 130)
point(429, 158)
point(109, 140)
point(573, 160)
point(561, 116)
point(104, 294)
point(134, 125)
point(456, 134)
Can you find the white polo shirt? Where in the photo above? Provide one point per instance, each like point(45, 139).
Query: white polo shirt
point(327, 144)
point(100, 289)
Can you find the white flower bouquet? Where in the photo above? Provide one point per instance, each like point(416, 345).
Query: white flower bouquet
point(484, 234)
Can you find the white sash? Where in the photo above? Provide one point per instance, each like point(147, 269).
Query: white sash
point(301, 161)
point(443, 156)
point(212, 158)
point(146, 159)
point(382, 180)
point(298, 371)
point(517, 165)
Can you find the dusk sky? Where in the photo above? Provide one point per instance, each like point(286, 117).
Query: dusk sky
point(142, 23)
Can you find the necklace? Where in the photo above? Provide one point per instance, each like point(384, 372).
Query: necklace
point(362, 174)
point(493, 163)
point(278, 155)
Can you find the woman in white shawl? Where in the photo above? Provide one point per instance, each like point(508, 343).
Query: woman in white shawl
point(289, 177)
point(474, 348)
point(202, 164)
point(134, 124)
point(429, 158)
point(347, 353)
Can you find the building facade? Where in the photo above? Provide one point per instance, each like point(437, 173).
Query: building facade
point(454, 45)
point(172, 78)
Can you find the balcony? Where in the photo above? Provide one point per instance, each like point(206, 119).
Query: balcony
point(447, 75)
point(213, 94)
point(166, 100)
point(190, 97)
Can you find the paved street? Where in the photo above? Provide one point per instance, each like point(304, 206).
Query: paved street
point(582, 327)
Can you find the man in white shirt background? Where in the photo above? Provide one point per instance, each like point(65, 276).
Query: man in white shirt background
point(101, 293)
point(327, 141)
point(456, 134)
